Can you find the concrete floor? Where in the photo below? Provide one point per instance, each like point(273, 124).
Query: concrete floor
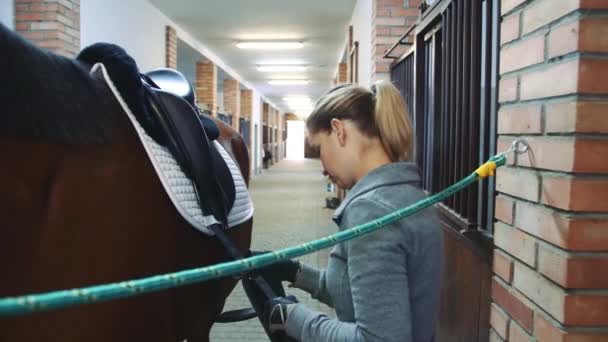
point(288, 199)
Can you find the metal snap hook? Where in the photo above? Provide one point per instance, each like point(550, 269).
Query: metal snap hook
point(519, 146)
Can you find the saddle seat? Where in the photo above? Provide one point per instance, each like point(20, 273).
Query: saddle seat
point(185, 134)
point(175, 82)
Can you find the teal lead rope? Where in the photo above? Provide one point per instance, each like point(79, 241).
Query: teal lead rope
point(13, 306)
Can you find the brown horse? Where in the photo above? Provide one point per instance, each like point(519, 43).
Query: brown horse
point(81, 205)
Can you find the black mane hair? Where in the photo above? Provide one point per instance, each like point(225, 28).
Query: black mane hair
point(47, 96)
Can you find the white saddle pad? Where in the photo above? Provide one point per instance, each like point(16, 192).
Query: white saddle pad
point(178, 186)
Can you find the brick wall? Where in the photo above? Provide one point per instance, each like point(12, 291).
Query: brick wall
point(342, 73)
point(246, 103)
point(232, 100)
point(52, 24)
point(551, 259)
point(391, 19)
point(170, 47)
point(206, 85)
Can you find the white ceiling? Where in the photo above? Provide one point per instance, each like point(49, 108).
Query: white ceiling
point(219, 24)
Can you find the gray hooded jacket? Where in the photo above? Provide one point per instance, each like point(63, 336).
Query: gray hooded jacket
point(384, 286)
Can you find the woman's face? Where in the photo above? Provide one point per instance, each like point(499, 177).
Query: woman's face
point(335, 157)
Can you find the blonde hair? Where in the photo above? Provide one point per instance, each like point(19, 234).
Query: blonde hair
point(377, 112)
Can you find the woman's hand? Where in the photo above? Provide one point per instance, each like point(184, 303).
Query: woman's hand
point(285, 270)
point(276, 311)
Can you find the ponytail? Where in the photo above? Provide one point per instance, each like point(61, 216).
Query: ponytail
point(393, 121)
point(380, 113)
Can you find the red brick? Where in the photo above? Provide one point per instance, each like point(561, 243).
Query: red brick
point(542, 83)
point(503, 144)
point(32, 36)
point(504, 209)
point(512, 304)
point(569, 154)
point(499, 321)
point(404, 12)
point(576, 116)
point(509, 29)
point(398, 31)
point(551, 153)
point(586, 310)
point(22, 8)
point(520, 119)
point(503, 266)
point(508, 5)
point(517, 334)
point(413, 3)
point(388, 40)
point(206, 84)
point(571, 271)
point(519, 183)
point(383, 31)
point(542, 12)
point(539, 290)
point(247, 103)
point(45, 7)
point(24, 16)
point(568, 309)
point(563, 39)
point(508, 89)
point(389, 3)
point(594, 4)
point(22, 26)
point(383, 12)
point(593, 33)
point(515, 242)
point(593, 77)
point(590, 156)
point(545, 331)
point(389, 21)
point(571, 233)
point(522, 54)
point(576, 194)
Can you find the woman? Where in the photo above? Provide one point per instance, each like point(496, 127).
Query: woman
point(386, 285)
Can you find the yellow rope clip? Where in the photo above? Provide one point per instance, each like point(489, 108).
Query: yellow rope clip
point(486, 170)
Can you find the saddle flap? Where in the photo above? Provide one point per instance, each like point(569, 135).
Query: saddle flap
point(188, 142)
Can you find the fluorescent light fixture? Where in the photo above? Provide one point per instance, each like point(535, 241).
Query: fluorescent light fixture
point(297, 99)
point(288, 82)
point(281, 68)
point(269, 45)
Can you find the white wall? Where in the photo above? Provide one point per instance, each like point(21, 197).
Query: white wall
point(256, 118)
point(362, 32)
point(135, 25)
point(7, 13)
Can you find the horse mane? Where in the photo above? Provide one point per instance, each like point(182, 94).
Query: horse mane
point(51, 97)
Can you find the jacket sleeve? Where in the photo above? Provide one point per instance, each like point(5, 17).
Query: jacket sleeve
point(377, 271)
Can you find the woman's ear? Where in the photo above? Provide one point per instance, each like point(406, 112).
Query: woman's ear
point(337, 127)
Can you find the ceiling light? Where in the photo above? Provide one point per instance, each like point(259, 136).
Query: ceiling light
point(281, 68)
point(299, 103)
point(297, 99)
point(288, 82)
point(269, 45)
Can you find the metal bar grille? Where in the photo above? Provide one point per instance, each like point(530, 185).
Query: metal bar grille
point(449, 84)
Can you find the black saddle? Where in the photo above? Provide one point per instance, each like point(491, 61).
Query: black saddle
point(186, 138)
point(175, 82)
